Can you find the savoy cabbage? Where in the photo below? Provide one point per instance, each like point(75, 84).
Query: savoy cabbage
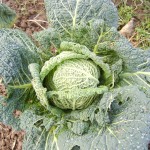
point(93, 94)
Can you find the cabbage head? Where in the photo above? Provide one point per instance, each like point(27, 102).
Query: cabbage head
point(72, 78)
point(76, 74)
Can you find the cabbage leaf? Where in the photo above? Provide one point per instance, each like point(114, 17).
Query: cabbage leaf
point(16, 51)
point(7, 16)
point(121, 122)
point(65, 13)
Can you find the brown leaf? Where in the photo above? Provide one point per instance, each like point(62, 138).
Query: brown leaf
point(129, 28)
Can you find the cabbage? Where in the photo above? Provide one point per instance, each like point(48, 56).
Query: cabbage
point(92, 94)
point(72, 75)
point(72, 82)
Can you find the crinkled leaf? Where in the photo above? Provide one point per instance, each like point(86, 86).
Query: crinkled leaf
point(140, 78)
point(78, 127)
point(79, 95)
point(81, 49)
point(35, 137)
point(129, 128)
point(8, 107)
point(54, 61)
point(28, 119)
point(66, 13)
point(37, 84)
point(88, 34)
point(7, 16)
point(16, 51)
point(47, 38)
point(135, 62)
point(133, 58)
point(129, 114)
point(48, 41)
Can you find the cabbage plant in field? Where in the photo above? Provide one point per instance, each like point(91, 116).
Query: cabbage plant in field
point(92, 94)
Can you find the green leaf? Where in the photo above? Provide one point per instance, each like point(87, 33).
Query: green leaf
point(69, 13)
point(16, 51)
point(37, 84)
point(48, 41)
point(7, 16)
point(140, 78)
point(129, 127)
point(80, 96)
point(128, 110)
point(40, 90)
point(47, 38)
point(133, 59)
point(34, 138)
point(53, 62)
point(81, 49)
point(135, 64)
point(8, 107)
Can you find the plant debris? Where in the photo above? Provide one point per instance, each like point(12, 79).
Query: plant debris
point(129, 28)
point(2, 88)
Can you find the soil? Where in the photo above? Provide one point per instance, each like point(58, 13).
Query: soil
point(31, 18)
point(10, 139)
point(30, 14)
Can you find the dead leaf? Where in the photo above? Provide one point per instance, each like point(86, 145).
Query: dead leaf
point(129, 28)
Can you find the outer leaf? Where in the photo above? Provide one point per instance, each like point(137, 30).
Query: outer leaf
point(133, 58)
point(140, 78)
point(34, 138)
point(129, 128)
point(66, 13)
point(47, 38)
point(135, 61)
point(7, 16)
point(48, 41)
point(16, 52)
point(40, 90)
point(8, 107)
point(37, 84)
